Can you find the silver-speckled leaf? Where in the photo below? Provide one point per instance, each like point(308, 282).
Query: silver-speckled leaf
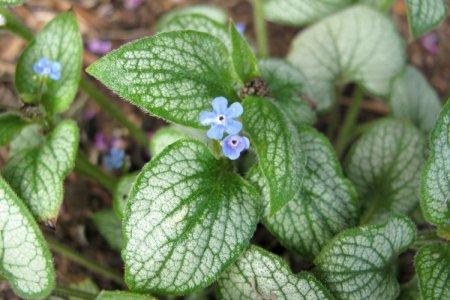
point(424, 15)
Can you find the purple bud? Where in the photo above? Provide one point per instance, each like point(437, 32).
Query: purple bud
point(100, 47)
point(101, 142)
point(240, 27)
point(430, 42)
point(132, 4)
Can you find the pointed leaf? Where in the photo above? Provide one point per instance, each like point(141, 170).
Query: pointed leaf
point(120, 196)
point(169, 135)
point(173, 75)
point(109, 226)
point(384, 165)
point(435, 184)
point(325, 205)
point(10, 125)
point(60, 40)
point(121, 295)
point(424, 15)
point(38, 166)
point(259, 274)
point(187, 219)
point(278, 147)
point(413, 98)
point(209, 11)
point(358, 263)
point(244, 59)
point(358, 44)
point(25, 259)
point(433, 269)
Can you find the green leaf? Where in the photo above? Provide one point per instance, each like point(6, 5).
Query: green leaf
point(187, 219)
point(209, 11)
point(285, 84)
point(109, 226)
point(424, 15)
point(384, 165)
point(121, 295)
point(170, 134)
point(10, 125)
point(60, 40)
point(359, 262)
point(259, 274)
point(278, 147)
point(432, 264)
point(11, 2)
point(413, 98)
point(173, 75)
point(25, 259)
point(120, 195)
point(325, 205)
point(38, 166)
point(358, 44)
point(435, 184)
point(244, 59)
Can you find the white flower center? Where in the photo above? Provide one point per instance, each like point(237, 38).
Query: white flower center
point(220, 119)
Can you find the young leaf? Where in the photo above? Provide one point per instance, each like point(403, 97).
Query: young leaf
point(278, 147)
point(384, 165)
point(187, 219)
point(11, 2)
point(209, 11)
point(109, 226)
point(358, 44)
point(25, 259)
point(285, 84)
point(259, 274)
point(121, 295)
point(358, 262)
point(120, 195)
point(424, 15)
point(60, 40)
point(169, 135)
point(413, 98)
point(435, 185)
point(10, 125)
point(38, 166)
point(244, 59)
point(173, 75)
point(432, 264)
point(325, 205)
point(85, 285)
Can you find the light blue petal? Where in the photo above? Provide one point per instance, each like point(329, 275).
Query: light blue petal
point(235, 110)
point(246, 142)
point(207, 118)
point(220, 105)
point(216, 132)
point(233, 126)
point(55, 72)
point(228, 151)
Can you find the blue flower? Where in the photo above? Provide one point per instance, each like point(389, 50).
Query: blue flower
point(240, 27)
point(46, 67)
point(221, 119)
point(233, 145)
point(114, 159)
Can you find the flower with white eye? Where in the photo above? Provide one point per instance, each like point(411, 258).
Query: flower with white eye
point(233, 145)
point(47, 67)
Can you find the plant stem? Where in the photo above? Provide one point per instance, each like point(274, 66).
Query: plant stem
point(84, 262)
point(63, 291)
point(84, 167)
point(260, 28)
point(349, 121)
point(426, 237)
point(334, 120)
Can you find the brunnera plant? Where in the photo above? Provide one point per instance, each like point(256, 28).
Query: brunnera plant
point(241, 149)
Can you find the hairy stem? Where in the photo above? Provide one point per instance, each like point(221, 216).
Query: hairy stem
point(261, 29)
point(77, 258)
point(63, 291)
point(84, 167)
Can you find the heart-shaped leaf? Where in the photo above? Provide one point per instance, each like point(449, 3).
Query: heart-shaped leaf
point(11, 2)
point(285, 84)
point(259, 274)
point(244, 59)
point(358, 262)
point(325, 205)
point(10, 125)
point(173, 75)
point(433, 269)
point(109, 226)
point(122, 295)
point(413, 98)
point(38, 166)
point(358, 44)
point(187, 219)
point(435, 185)
point(60, 41)
point(25, 259)
point(384, 165)
point(209, 11)
point(120, 195)
point(277, 144)
point(424, 15)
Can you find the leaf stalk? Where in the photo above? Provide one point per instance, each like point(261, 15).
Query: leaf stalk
point(84, 167)
point(261, 29)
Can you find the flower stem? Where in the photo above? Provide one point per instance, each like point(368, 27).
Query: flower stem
point(349, 121)
point(84, 167)
point(68, 292)
point(260, 28)
point(75, 257)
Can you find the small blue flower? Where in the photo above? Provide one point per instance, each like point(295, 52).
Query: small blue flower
point(46, 67)
point(114, 159)
point(240, 27)
point(233, 145)
point(221, 119)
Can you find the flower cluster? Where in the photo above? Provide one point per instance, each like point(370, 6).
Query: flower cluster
point(222, 120)
point(47, 67)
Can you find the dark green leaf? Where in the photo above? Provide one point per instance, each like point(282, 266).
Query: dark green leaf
point(244, 59)
point(109, 226)
point(10, 125)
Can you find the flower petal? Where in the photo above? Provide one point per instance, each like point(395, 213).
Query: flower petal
point(235, 110)
point(233, 126)
point(246, 142)
point(207, 118)
point(229, 152)
point(216, 132)
point(220, 105)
